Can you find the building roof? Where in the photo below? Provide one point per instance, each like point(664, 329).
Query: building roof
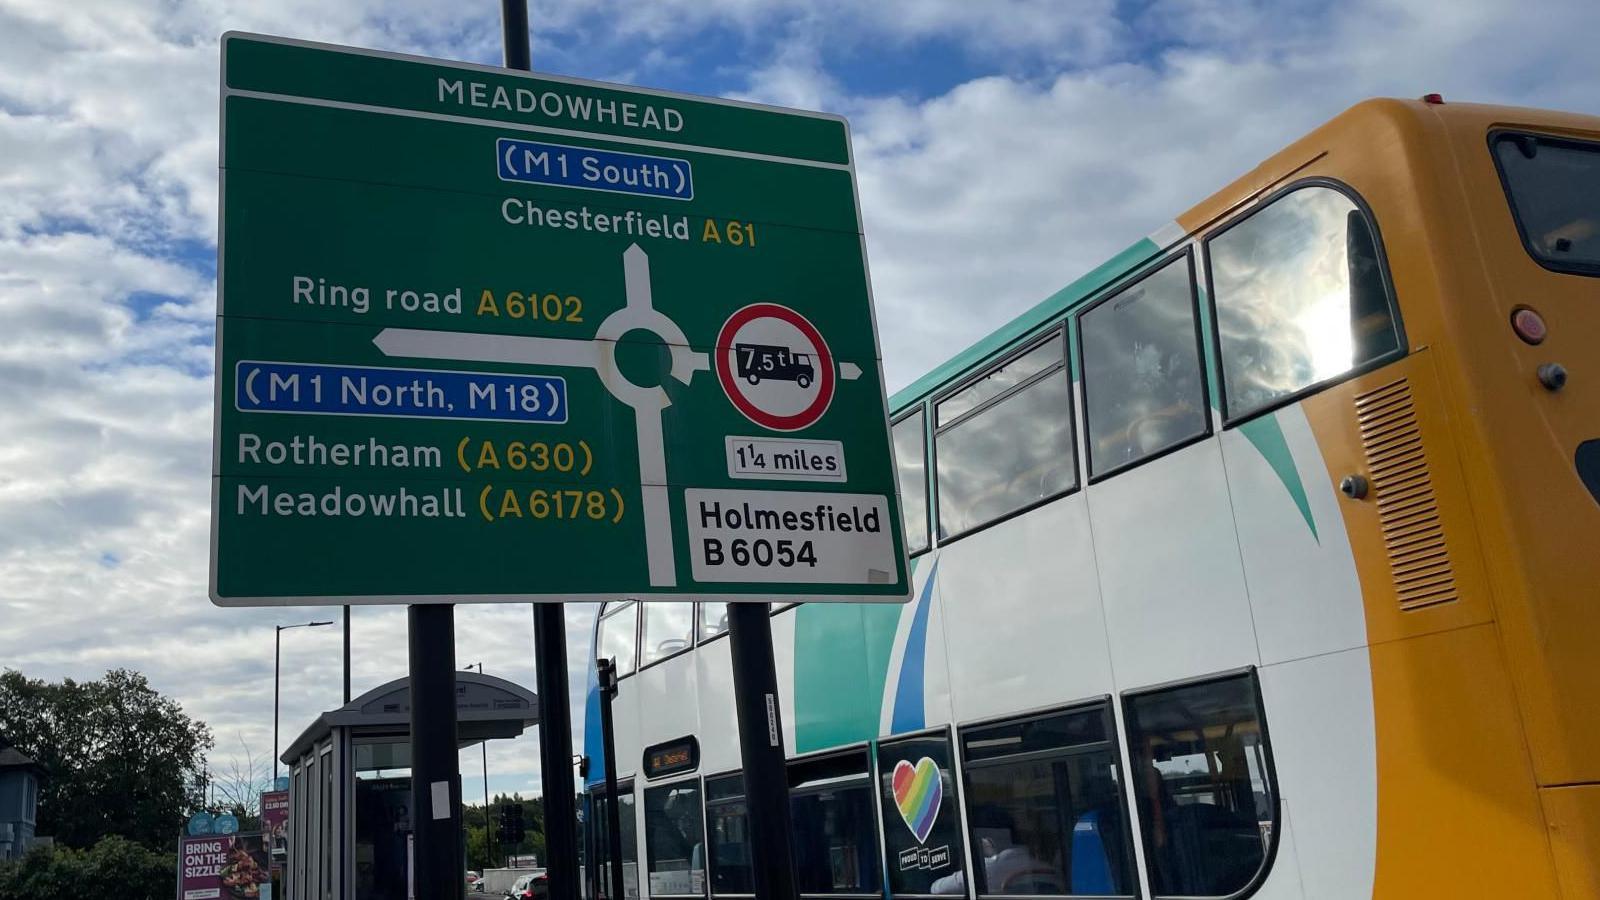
point(12, 758)
point(486, 707)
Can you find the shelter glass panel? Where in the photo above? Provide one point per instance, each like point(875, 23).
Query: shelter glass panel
point(383, 820)
point(327, 823)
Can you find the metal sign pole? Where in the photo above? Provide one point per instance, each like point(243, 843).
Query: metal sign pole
point(606, 673)
point(438, 860)
point(766, 779)
point(555, 750)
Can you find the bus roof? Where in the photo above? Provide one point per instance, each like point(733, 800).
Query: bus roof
point(1450, 116)
point(1041, 314)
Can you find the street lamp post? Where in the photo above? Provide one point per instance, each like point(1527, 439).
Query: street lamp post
point(277, 660)
point(488, 847)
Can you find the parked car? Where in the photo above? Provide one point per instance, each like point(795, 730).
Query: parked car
point(533, 886)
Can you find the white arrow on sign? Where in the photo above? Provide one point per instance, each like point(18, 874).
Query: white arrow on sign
point(849, 371)
point(599, 354)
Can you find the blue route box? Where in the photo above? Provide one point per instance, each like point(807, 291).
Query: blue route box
point(323, 390)
point(534, 162)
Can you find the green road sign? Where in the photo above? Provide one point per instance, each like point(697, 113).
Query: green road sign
point(486, 336)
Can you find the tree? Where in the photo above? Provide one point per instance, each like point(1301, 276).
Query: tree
point(123, 759)
point(237, 789)
point(114, 867)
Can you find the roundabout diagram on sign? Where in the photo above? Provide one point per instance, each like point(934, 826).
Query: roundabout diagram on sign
point(775, 367)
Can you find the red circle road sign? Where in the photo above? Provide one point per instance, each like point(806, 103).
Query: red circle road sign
point(775, 367)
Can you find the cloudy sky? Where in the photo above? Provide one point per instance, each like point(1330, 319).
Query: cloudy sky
point(1004, 147)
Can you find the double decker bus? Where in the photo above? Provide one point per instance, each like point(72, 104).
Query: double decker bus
point(1262, 560)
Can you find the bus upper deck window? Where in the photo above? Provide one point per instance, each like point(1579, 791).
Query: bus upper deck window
point(1143, 388)
point(668, 628)
point(1301, 297)
point(619, 636)
point(1004, 439)
point(911, 460)
point(1553, 186)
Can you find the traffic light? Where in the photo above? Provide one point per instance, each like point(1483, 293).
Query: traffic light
point(512, 828)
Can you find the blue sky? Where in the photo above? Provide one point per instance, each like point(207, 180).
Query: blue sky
point(1004, 147)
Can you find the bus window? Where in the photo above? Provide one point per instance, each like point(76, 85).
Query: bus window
point(997, 381)
point(1554, 188)
point(1202, 775)
point(713, 620)
point(1142, 383)
point(1012, 452)
point(921, 834)
point(668, 629)
point(729, 831)
point(619, 636)
point(1045, 807)
point(1301, 298)
point(911, 459)
point(674, 842)
point(630, 843)
point(835, 837)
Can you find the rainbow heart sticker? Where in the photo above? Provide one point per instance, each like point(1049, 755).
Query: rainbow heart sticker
point(918, 791)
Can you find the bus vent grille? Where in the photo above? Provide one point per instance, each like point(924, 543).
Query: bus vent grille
point(1408, 514)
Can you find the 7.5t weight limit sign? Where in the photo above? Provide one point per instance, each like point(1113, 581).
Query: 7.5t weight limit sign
point(502, 337)
point(775, 367)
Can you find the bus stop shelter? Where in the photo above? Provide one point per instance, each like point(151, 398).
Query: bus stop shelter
point(349, 821)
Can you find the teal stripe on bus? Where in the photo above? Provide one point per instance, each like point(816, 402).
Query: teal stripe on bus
point(841, 663)
point(1266, 435)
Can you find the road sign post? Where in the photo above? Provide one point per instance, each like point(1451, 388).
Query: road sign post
point(437, 858)
point(549, 624)
point(485, 336)
point(766, 776)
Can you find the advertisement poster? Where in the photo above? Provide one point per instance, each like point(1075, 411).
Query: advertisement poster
point(275, 826)
point(922, 839)
point(222, 867)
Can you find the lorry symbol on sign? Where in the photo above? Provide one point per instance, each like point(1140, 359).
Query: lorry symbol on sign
point(774, 363)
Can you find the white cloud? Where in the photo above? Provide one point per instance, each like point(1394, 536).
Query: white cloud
point(1089, 132)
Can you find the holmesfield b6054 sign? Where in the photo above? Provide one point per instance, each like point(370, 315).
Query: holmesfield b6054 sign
point(491, 336)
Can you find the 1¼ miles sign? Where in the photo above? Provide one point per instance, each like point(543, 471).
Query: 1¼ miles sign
point(486, 336)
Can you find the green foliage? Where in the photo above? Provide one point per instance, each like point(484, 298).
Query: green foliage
point(114, 867)
point(123, 759)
